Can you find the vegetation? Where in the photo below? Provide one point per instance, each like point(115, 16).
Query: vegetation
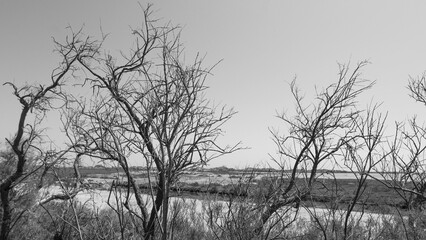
point(150, 105)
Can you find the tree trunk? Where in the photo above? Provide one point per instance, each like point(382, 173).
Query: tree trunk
point(7, 214)
point(150, 232)
point(165, 209)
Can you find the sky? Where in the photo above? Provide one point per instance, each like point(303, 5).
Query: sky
point(261, 45)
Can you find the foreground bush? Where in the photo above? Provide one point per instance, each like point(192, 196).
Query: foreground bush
point(215, 220)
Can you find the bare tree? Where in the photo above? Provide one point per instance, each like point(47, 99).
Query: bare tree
point(362, 155)
point(151, 106)
point(404, 168)
point(27, 148)
point(316, 135)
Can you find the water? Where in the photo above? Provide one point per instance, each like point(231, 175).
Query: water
point(102, 199)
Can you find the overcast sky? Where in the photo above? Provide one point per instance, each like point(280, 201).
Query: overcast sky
point(263, 44)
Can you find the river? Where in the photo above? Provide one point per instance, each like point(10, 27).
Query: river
point(98, 200)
